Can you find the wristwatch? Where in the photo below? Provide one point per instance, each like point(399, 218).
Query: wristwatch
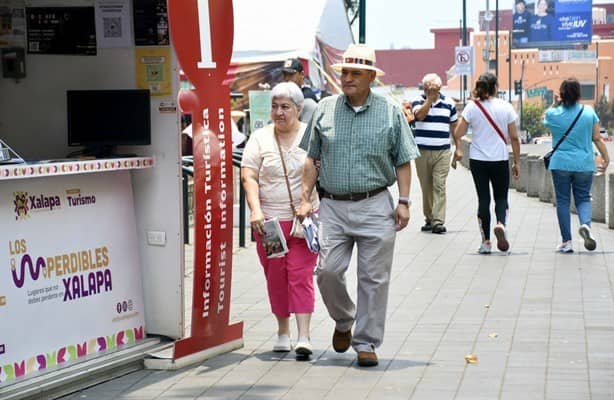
point(405, 200)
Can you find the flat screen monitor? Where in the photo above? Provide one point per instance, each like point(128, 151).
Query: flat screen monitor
point(99, 120)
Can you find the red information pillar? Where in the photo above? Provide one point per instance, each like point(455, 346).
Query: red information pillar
point(202, 34)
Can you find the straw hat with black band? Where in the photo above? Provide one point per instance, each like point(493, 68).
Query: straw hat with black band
point(358, 56)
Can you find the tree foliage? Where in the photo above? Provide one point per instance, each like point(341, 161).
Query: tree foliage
point(532, 119)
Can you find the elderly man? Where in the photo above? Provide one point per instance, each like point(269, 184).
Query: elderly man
point(435, 118)
point(364, 145)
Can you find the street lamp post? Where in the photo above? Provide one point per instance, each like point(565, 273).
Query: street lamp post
point(464, 85)
point(597, 73)
point(362, 23)
point(497, 39)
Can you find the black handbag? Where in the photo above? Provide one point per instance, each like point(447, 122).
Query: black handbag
point(549, 154)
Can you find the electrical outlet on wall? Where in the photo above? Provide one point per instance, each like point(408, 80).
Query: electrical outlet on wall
point(156, 238)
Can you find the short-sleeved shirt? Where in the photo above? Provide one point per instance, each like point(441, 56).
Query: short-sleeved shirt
point(541, 28)
point(521, 26)
point(261, 153)
point(575, 152)
point(358, 149)
point(486, 144)
point(433, 132)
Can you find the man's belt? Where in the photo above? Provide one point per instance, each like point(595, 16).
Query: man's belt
point(351, 196)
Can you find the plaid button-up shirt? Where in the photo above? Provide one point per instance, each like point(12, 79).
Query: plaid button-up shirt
point(358, 150)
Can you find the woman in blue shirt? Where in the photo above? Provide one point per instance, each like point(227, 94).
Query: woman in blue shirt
point(572, 164)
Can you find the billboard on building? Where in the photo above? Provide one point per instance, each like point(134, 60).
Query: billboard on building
point(548, 24)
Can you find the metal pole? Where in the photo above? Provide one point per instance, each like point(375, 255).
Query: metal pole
point(597, 73)
point(521, 90)
point(509, 66)
point(186, 212)
point(362, 23)
point(460, 87)
point(497, 39)
point(464, 44)
point(241, 215)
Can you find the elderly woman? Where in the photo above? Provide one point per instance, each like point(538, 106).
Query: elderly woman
point(572, 164)
point(289, 278)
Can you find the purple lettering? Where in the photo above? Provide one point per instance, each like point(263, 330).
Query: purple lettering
point(67, 292)
point(42, 361)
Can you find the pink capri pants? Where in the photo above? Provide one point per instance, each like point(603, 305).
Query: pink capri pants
point(289, 278)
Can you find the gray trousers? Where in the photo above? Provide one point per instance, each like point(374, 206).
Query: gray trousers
point(369, 224)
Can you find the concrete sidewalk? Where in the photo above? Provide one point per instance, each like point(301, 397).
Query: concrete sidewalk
point(540, 323)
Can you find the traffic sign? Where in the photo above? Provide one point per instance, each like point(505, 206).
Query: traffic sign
point(463, 60)
point(537, 92)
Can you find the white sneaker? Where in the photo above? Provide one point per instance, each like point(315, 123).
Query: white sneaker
point(502, 243)
point(565, 247)
point(485, 247)
point(303, 346)
point(283, 344)
point(589, 241)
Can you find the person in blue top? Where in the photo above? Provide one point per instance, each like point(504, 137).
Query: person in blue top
point(572, 164)
point(542, 23)
point(521, 23)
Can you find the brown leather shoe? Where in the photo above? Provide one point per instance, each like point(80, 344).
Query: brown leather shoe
point(342, 341)
point(367, 359)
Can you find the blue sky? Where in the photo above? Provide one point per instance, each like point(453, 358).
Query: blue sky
point(407, 23)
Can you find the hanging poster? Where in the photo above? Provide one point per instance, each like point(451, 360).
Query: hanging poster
point(259, 108)
point(153, 70)
point(150, 23)
point(12, 23)
point(61, 30)
point(113, 23)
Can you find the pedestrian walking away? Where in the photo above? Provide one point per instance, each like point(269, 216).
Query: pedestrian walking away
point(363, 144)
point(273, 190)
point(436, 118)
point(493, 123)
point(574, 128)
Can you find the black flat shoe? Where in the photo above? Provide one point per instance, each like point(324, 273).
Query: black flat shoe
point(427, 227)
point(439, 228)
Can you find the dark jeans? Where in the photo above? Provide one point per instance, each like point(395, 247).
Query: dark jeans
point(485, 174)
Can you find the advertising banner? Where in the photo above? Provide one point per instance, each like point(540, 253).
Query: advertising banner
point(70, 280)
point(551, 23)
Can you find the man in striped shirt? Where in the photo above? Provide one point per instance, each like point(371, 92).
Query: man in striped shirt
point(435, 119)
